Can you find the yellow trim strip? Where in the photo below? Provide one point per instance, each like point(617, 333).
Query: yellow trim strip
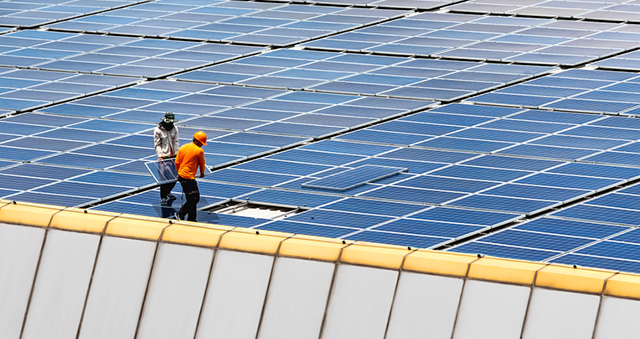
point(505, 270)
point(258, 241)
point(623, 285)
point(561, 277)
point(377, 255)
point(441, 263)
point(573, 279)
point(24, 213)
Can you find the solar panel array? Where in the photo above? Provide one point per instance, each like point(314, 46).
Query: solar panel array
point(616, 11)
point(493, 38)
point(394, 77)
point(386, 121)
point(111, 55)
point(392, 4)
point(258, 23)
point(33, 13)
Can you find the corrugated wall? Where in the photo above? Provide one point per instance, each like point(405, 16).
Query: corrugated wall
point(67, 273)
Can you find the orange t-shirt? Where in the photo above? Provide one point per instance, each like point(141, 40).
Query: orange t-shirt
point(189, 158)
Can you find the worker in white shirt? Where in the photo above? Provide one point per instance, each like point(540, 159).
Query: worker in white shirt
point(165, 140)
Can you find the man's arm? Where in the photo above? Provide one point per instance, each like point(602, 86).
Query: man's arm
point(176, 141)
point(157, 140)
point(201, 163)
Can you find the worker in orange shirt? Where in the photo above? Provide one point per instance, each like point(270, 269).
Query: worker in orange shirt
point(190, 157)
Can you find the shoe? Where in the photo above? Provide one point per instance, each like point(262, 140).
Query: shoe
point(163, 202)
point(177, 216)
point(171, 196)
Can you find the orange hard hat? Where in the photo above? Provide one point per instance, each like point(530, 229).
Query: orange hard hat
point(201, 136)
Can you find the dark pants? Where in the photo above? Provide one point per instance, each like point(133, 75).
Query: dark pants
point(190, 190)
point(166, 189)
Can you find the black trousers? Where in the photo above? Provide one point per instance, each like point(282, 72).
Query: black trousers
point(166, 189)
point(190, 190)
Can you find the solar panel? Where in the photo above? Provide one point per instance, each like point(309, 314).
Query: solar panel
point(354, 178)
point(593, 10)
point(261, 23)
point(112, 56)
point(419, 35)
point(32, 14)
point(388, 76)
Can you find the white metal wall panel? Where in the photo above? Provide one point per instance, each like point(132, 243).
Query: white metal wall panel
point(61, 285)
point(618, 319)
point(297, 299)
point(425, 306)
point(491, 311)
point(117, 290)
point(360, 303)
point(561, 315)
point(176, 292)
point(235, 297)
point(19, 252)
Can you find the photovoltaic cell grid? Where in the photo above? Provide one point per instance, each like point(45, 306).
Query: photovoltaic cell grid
point(113, 132)
point(477, 191)
point(395, 77)
point(617, 11)
point(39, 12)
point(625, 62)
point(24, 89)
point(600, 232)
point(587, 138)
point(494, 38)
point(401, 4)
point(578, 90)
point(257, 23)
point(111, 55)
point(565, 241)
point(274, 112)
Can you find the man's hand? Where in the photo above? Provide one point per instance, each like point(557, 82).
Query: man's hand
point(160, 159)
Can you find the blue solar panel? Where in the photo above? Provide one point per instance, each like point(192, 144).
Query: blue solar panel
point(568, 181)
point(322, 158)
point(447, 184)
point(307, 229)
point(598, 213)
point(335, 218)
point(51, 199)
point(464, 144)
point(290, 198)
point(512, 163)
point(423, 227)
point(354, 177)
point(249, 177)
point(613, 250)
point(570, 228)
point(413, 195)
point(374, 207)
point(478, 173)
point(548, 152)
point(550, 242)
point(607, 263)
point(396, 239)
point(536, 192)
point(516, 205)
point(281, 167)
point(504, 251)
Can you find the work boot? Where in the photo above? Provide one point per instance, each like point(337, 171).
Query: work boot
point(163, 202)
point(171, 196)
